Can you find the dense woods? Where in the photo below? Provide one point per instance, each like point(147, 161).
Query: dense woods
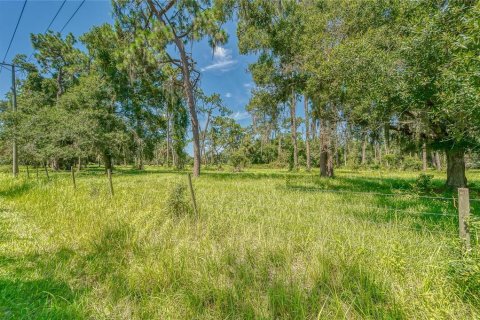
point(391, 84)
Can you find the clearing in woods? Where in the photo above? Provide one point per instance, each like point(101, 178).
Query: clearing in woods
point(267, 244)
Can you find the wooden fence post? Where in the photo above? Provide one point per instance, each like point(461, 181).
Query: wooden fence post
point(192, 194)
point(73, 177)
point(463, 215)
point(109, 173)
point(28, 173)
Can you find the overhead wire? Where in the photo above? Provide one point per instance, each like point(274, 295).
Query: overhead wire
point(73, 15)
point(15, 31)
point(51, 22)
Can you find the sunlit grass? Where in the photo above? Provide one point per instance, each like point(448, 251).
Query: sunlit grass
point(267, 244)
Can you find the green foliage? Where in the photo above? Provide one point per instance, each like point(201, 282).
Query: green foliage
point(177, 202)
point(411, 163)
point(238, 160)
point(423, 183)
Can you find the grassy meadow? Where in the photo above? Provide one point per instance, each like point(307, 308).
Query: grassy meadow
point(267, 244)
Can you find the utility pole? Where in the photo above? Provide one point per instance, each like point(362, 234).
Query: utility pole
point(14, 109)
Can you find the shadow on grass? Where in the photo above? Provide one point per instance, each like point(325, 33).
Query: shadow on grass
point(338, 288)
point(29, 288)
point(387, 200)
point(17, 190)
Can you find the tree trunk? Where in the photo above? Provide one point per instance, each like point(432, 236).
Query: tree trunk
point(168, 140)
point(293, 129)
point(279, 149)
point(107, 159)
point(424, 156)
point(188, 88)
point(438, 162)
point(456, 168)
point(326, 156)
point(307, 132)
point(204, 138)
point(364, 149)
point(314, 129)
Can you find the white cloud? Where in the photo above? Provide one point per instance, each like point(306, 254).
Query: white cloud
point(222, 60)
point(228, 95)
point(238, 116)
point(247, 85)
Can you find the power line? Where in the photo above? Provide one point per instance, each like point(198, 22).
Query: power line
point(56, 14)
point(15, 31)
point(74, 13)
point(51, 22)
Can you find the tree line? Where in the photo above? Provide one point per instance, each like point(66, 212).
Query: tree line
point(383, 83)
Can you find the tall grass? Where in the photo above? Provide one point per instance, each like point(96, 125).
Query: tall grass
point(263, 247)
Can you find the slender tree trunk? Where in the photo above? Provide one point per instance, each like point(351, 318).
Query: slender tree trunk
point(456, 168)
point(204, 138)
point(59, 83)
point(438, 163)
point(187, 86)
point(79, 164)
point(279, 151)
point(424, 156)
point(307, 132)
point(345, 149)
point(46, 171)
point(314, 129)
point(364, 149)
point(168, 139)
point(326, 156)
point(107, 159)
point(293, 123)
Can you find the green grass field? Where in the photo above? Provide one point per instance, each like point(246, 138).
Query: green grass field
point(267, 244)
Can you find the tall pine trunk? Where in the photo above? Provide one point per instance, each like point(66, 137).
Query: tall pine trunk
point(188, 88)
point(307, 132)
point(326, 156)
point(293, 123)
point(424, 157)
point(438, 162)
point(364, 149)
point(456, 168)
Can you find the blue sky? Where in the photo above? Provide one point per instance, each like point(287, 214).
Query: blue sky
point(223, 71)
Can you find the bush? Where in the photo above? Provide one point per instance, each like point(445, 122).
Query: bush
point(411, 163)
point(423, 183)
point(177, 202)
point(238, 160)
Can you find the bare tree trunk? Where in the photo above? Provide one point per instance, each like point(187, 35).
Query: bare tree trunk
point(364, 149)
point(279, 150)
point(107, 158)
point(326, 156)
point(293, 123)
point(438, 163)
point(307, 132)
point(314, 129)
point(456, 168)
point(168, 140)
point(187, 86)
point(424, 156)
point(204, 138)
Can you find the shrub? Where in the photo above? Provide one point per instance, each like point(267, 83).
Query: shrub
point(411, 163)
point(238, 160)
point(423, 183)
point(177, 202)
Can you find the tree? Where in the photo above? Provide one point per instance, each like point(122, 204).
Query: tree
point(157, 25)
